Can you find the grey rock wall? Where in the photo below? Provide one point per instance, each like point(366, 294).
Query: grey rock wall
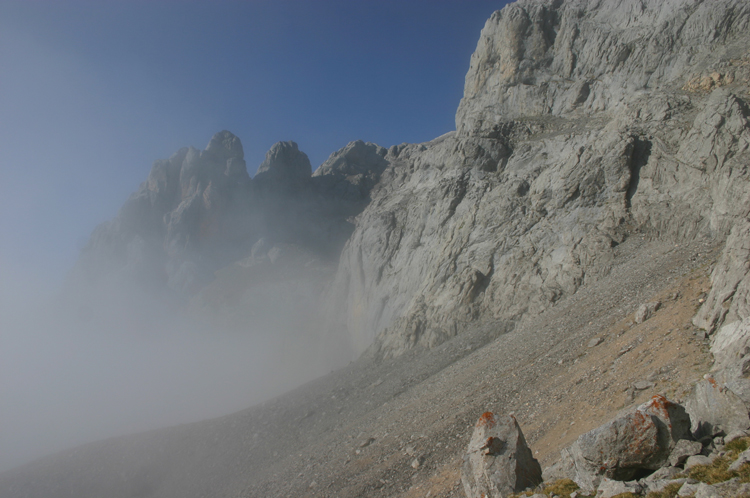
point(539, 58)
point(581, 123)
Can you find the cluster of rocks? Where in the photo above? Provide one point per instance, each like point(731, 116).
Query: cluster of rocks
point(641, 451)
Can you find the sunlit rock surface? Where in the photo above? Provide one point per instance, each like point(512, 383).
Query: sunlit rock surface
point(581, 124)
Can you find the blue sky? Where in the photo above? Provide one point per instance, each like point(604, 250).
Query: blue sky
point(91, 93)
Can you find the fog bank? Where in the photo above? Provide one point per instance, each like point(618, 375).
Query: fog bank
point(71, 376)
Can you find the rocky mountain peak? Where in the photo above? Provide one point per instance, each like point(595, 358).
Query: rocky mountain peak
point(356, 158)
point(225, 145)
point(351, 173)
point(284, 164)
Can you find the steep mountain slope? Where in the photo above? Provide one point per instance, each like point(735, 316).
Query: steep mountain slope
point(600, 161)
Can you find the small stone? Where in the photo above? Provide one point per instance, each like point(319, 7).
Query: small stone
point(657, 486)
point(732, 487)
point(610, 487)
point(697, 460)
point(646, 310)
point(682, 450)
point(367, 442)
point(664, 473)
point(707, 491)
point(643, 385)
point(687, 489)
point(742, 459)
point(734, 435)
point(595, 342)
point(417, 462)
point(624, 350)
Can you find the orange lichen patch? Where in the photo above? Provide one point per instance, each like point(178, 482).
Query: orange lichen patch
point(660, 406)
point(713, 382)
point(487, 419)
point(642, 439)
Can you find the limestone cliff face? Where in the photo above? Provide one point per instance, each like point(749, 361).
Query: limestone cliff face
point(538, 58)
point(581, 122)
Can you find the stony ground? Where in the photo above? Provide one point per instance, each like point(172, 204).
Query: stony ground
point(400, 427)
point(547, 371)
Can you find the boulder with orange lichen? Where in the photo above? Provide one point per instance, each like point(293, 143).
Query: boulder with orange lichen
point(626, 448)
point(498, 461)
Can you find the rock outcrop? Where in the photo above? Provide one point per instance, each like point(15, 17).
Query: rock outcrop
point(285, 165)
point(715, 410)
point(632, 444)
point(543, 58)
point(498, 461)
